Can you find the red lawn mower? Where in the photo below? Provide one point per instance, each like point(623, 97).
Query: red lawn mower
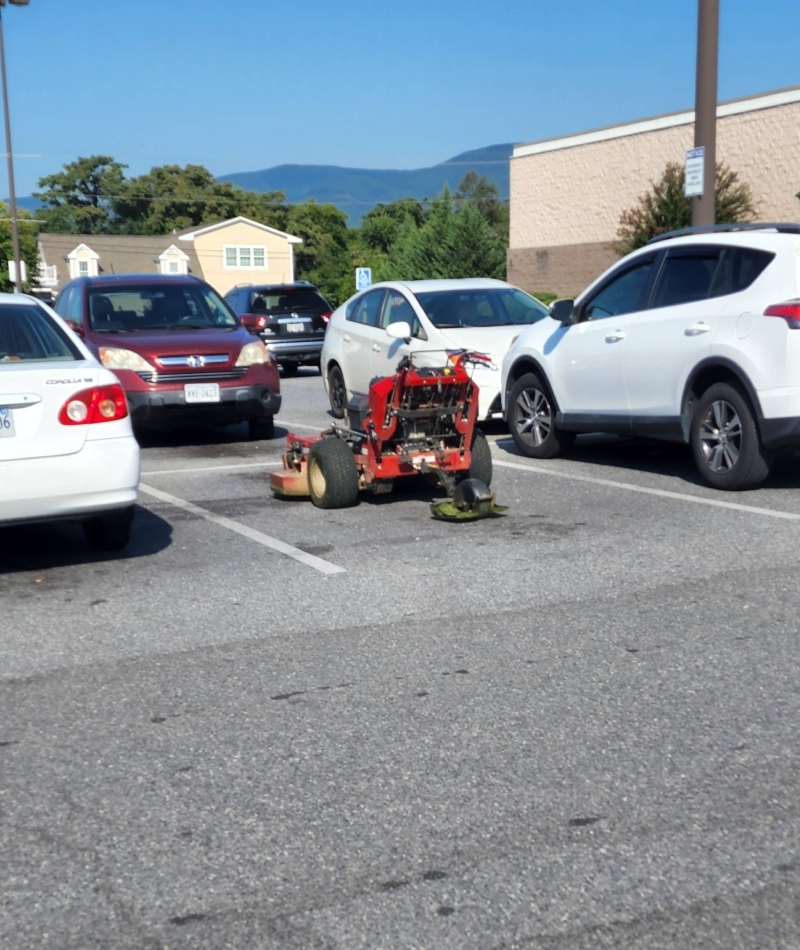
point(419, 421)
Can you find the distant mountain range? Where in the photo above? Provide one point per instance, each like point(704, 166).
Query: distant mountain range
point(356, 190)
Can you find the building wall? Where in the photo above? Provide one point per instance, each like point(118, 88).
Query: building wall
point(566, 201)
point(209, 250)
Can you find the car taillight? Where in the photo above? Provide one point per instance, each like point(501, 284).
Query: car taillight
point(789, 311)
point(98, 404)
point(326, 316)
point(261, 322)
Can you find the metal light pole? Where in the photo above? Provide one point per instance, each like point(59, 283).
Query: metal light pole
point(705, 109)
point(12, 198)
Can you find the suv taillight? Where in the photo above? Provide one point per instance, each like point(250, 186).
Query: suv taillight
point(326, 316)
point(98, 404)
point(789, 311)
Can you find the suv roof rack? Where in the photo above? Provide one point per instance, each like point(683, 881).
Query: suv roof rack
point(782, 227)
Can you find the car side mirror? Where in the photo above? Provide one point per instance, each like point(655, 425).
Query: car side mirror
point(253, 322)
point(563, 310)
point(399, 331)
point(77, 327)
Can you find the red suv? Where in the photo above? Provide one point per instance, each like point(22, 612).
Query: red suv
point(176, 347)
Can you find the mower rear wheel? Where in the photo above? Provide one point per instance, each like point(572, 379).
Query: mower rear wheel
point(481, 467)
point(332, 474)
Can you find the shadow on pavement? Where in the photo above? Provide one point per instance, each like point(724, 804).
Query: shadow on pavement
point(35, 547)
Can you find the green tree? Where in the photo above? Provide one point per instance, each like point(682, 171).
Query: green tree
point(28, 247)
point(449, 244)
point(171, 197)
point(324, 256)
point(79, 199)
point(666, 208)
point(478, 191)
point(380, 227)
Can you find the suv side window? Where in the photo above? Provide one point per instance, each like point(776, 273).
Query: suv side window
point(367, 311)
point(686, 275)
point(739, 268)
point(397, 309)
point(623, 294)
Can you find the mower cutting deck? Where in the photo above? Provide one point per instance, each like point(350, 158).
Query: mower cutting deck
point(419, 421)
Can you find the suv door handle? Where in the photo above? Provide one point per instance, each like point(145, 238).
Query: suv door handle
point(615, 336)
point(697, 328)
point(375, 348)
point(346, 338)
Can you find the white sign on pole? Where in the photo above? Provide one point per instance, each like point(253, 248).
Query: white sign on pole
point(363, 278)
point(695, 170)
point(12, 272)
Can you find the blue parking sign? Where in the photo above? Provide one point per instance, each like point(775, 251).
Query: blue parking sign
point(363, 278)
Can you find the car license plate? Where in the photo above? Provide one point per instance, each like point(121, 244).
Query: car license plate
point(6, 423)
point(295, 327)
point(201, 392)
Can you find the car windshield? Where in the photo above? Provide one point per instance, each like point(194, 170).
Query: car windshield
point(121, 309)
point(28, 334)
point(487, 307)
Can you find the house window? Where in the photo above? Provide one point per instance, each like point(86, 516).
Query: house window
point(244, 257)
point(83, 268)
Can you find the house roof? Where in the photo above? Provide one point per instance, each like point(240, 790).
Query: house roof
point(118, 253)
point(191, 234)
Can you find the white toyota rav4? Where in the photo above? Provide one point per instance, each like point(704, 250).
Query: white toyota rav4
point(693, 338)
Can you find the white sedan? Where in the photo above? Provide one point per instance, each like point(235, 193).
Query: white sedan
point(67, 450)
point(443, 315)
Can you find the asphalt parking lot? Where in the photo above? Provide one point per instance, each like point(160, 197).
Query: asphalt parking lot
point(267, 725)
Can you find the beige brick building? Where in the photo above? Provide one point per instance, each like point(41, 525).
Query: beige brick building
point(567, 194)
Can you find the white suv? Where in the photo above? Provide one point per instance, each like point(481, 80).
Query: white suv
point(693, 338)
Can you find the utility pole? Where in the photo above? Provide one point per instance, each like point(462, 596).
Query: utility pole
point(12, 198)
point(705, 109)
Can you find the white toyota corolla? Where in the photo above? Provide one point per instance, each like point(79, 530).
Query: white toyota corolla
point(472, 313)
point(67, 449)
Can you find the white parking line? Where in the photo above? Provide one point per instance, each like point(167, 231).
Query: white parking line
point(215, 468)
point(310, 560)
point(660, 492)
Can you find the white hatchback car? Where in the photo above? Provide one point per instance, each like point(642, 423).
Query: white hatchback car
point(67, 450)
point(442, 315)
point(693, 338)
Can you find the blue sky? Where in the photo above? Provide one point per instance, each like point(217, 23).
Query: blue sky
point(239, 85)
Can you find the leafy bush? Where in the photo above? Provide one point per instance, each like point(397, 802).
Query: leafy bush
point(666, 208)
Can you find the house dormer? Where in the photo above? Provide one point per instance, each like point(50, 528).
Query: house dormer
point(173, 261)
point(83, 262)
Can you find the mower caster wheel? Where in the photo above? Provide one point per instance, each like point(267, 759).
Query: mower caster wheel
point(332, 474)
point(481, 467)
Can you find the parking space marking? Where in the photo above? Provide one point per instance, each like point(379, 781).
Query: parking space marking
point(310, 560)
point(660, 492)
point(215, 468)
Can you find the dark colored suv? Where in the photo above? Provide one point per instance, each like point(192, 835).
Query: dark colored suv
point(289, 318)
point(179, 352)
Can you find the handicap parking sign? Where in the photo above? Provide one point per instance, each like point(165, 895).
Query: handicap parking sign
point(363, 278)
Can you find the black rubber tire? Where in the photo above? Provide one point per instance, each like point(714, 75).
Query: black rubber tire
point(332, 474)
point(481, 467)
point(290, 369)
point(261, 428)
point(530, 415)
point(109, 532)
point(725, 440)
point(337, 391)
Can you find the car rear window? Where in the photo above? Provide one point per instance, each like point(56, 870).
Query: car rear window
point(288, 300)
point(121, 309)
point(29, 334)
point(493, 307)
